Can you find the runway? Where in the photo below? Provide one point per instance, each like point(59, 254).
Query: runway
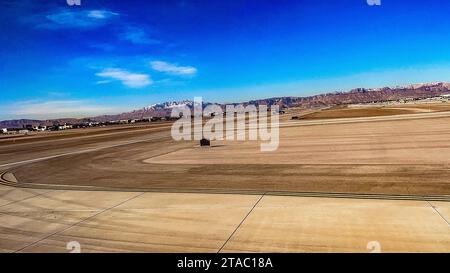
point(335, 186)
point(77, 152)
point(396, 156)
point(33, 220)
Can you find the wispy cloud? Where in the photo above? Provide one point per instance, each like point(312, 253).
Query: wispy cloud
point(55, 109)
point(132, 80)
point(83, 19)
point(103, 82)
point(137, 35)
point(100, 14)
point(175, 69)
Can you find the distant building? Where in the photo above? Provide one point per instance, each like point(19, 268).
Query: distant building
point(24, 132)
point(4, 130)
point(39, 128)
point(59, 127)
point(28, 127)
point(11, 131)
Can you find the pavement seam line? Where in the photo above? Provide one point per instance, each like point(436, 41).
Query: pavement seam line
point(79, 222)
point(242, 221)
point(27, 198)
point(437, 211)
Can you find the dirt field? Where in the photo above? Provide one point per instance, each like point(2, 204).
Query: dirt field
point(374, 111)
point(435, 107)
point(356, 113)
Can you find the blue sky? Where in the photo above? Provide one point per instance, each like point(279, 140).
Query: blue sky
point(112, 56)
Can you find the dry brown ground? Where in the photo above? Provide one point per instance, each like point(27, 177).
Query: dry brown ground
point(356, 113)
point(373, 111)
point(437, 107)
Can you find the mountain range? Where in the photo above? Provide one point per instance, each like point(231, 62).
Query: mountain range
point(358, 95)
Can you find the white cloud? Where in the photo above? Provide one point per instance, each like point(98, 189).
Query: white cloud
point(132, 80)
point(55, 109)
point(75, 19)
point(173, 68)
point(100, 14)
point(137, 36)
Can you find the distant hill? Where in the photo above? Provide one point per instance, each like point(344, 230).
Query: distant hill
point(20, 123)
point(362, 95)
point(359, 95)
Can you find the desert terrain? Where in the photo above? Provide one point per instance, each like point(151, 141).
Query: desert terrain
point(341, 177)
